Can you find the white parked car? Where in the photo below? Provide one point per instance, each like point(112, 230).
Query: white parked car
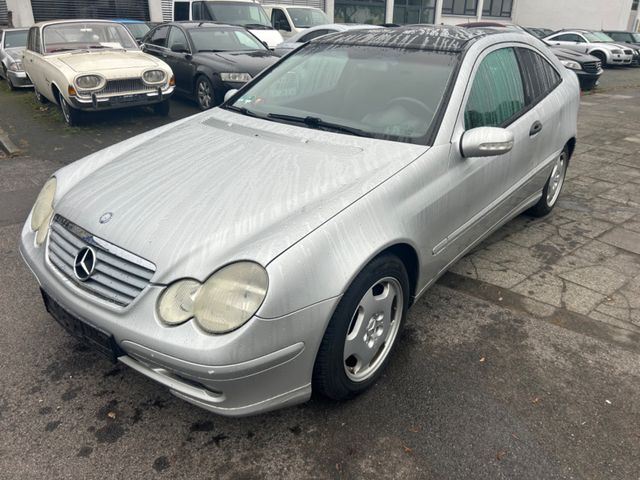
point(244, 13)
point(309, 34)
point(94, 65)
point(292, 19)
point(597, 44)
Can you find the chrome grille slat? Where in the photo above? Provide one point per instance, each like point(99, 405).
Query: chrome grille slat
point(125, 85)
point(119, 275)
point(591, 67)
point(141, 272)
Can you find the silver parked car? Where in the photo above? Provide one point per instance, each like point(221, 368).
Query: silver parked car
point(596, 44)
point(250, 254)
point(12, 44)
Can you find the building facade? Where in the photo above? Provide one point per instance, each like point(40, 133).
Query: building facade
point(553, 14)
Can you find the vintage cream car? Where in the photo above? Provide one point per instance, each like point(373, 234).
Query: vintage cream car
point(94, 65)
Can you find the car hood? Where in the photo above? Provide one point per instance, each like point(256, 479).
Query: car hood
point(108, 60)
point(221, 187)
point(252, 61)
point(573, 55)
point(271, 37)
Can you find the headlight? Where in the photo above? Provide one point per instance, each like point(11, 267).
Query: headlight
point(89, 82)
point(16, 67)
point(616, 52)
point(235, 77)
point(571, 64)
point(43, 210)
point(154, 76)
point(227, 300)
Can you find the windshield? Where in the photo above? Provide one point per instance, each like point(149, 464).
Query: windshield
point(245, 14)
point(62, 37)
point(308, 17)
point(138, 30)
point(381, 92)
point(598, 37)
point(223, 40)
point(15, 39)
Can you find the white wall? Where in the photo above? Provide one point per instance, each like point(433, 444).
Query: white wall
point(589, 14)
point(22, 14)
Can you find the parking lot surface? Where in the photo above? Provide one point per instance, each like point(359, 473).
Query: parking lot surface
point(522, 362)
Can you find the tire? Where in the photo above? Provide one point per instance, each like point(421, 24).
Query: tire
point(70, 114)
point(362, 333)
point(553, 187)
point(602, 57)
point(39, 97)
point(163, 108)
point(205, 96)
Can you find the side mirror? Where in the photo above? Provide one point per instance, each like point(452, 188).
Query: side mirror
point(486, 142)
point(230, 93)
point(179, 48)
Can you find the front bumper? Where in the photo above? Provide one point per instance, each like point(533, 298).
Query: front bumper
point(99, 102)
point(19, 79)
point(587, 80)
point(264, 365)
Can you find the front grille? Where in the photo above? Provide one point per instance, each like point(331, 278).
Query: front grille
point(119, 275)
point(629, 52)
point(125, 85)
point(592, 67)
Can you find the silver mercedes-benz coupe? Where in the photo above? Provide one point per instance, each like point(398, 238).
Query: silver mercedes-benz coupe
point(251, 254)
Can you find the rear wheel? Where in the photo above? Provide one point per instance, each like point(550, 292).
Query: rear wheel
point(39, 97)
point(163, 108)
point(363, 330)
point(204, 93)
point(70, 114)
point(552, 188)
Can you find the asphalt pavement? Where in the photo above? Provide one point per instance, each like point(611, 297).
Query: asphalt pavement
point(523, 362)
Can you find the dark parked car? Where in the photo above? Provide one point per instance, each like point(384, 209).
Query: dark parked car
point(207, 58)
point(587, 67)
point(137, 28)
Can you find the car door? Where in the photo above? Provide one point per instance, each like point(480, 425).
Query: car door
point(156, 42)
point(481, 190)
point(178, 57)
point(280, 22)
point(572, 41)
point(33, 61)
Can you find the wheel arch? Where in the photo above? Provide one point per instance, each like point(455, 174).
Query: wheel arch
point(571, 145)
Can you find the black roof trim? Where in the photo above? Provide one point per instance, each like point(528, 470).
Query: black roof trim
point(443, 38)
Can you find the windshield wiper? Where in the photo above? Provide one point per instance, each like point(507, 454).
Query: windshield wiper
point(244, 111)
point(257, 26)
point(318, 123)
point(62, 49)
point(210, 50)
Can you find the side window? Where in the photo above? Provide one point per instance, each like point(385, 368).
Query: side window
point(31, 38)
point(568, 37)
point(279, 20)
point(314, 34)
point(181, 11)
point(177, 37)
point(159, 36)
point(497, 93)
point(540, 78)
point(196, 11)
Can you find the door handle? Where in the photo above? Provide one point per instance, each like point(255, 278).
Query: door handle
point(536, 128)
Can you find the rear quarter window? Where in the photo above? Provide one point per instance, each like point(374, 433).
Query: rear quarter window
point(540, 77)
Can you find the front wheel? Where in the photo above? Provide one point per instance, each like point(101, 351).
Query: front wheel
point(363, 330)
point(70, 114)
point(552, 188)
point(204, 93)
point(163, 108)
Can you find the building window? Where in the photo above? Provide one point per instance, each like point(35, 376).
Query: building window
point(360, 11)
point(497, 8)
point(460, 7)
point(414, 11)
point(634, 5)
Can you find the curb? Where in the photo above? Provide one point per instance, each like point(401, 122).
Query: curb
point(7, 145)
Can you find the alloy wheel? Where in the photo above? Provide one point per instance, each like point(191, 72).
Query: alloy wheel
point(204, 94)
point(556, 180)
point(373, 329)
